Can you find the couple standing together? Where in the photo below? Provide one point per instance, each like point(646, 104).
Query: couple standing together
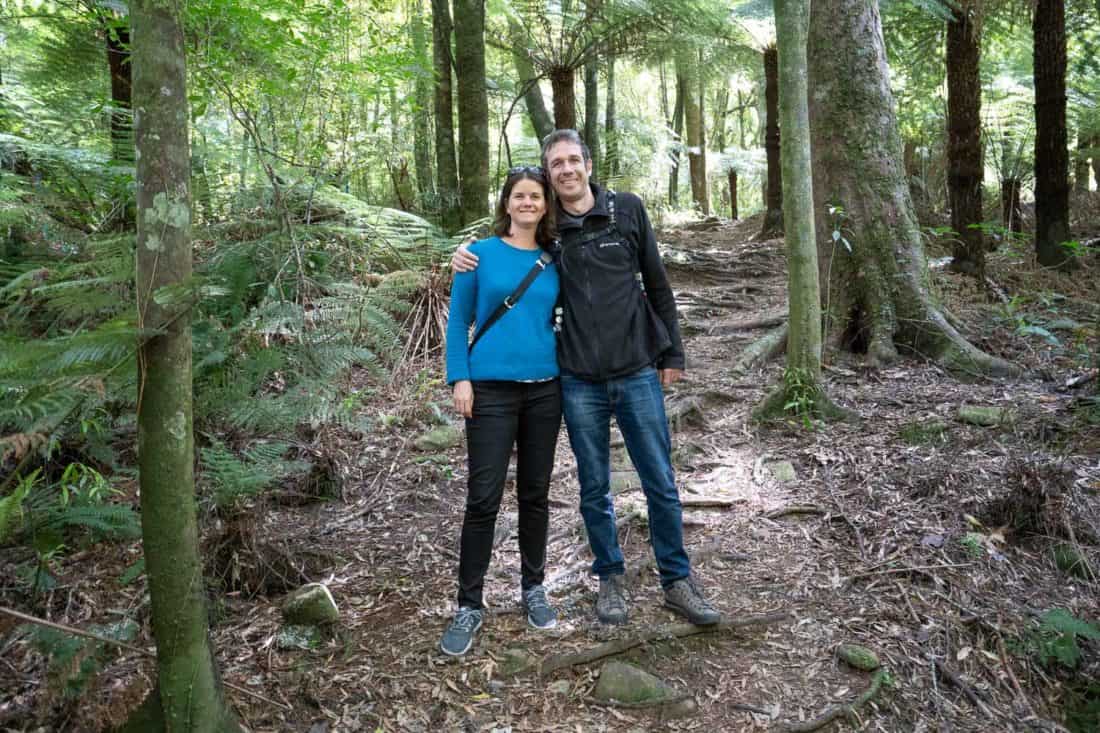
point(586, 328)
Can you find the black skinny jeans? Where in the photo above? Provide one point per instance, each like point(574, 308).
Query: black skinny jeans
point(527, 415)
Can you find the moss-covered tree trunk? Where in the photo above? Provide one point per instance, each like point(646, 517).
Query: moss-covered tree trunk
point(687, 68)
point(473, 109)
point(592, 113)
point(422, 120)
point(565, 98)
point(189, 694)
point(446, 167)
point(877, 296)
point(611, 133)
point(528, 79)
point(964, 136)
point(773, 192)
point(1051, 138)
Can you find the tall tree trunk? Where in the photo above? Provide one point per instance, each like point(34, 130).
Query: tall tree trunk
point(565, 102)
point(773, 197)
point(964, 137)
point(878, 295)
point(473, 109)
point(611, 135)
point(687, 66)
point(1051, 140)
point(721, 111)
point(733, 194)
point(188, 694)
point(802, 379)
point(528, 79)
point(742, 106)
point(1081, 164)
point(677, 126)
point(592, 113)
point(118, 63)
point(450, 204)
point(422, 121)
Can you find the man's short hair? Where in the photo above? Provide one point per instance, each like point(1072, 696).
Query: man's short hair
point(567, 135)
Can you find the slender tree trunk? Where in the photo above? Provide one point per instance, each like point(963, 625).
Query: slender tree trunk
point(773, 198)
point(532, 95)
point(677, 131)
point(1011, 209)
point(721, 111)
point(592, 113)
point(565, 102)
point(611, 135)
point(473, 109)
point(446, 168)
point(1096, 157)
point(733, 194)
point(688, 68)
point(422, 120)
point(802, 380)
point(118, 63)
point(878, 296)
point(742, 105)
point(1081, 165)
point(1051, 143)
point(188, 695)
point(964, 136)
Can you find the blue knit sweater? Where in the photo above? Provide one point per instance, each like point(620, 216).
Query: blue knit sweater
point(518, 347)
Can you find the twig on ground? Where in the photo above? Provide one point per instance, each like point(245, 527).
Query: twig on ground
point(947, 674)
point(840, 711)
point(670, 700)
point(676, 631)
point(795, 509)
point(909, 569)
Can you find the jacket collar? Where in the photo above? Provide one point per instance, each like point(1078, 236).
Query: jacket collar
point(598, 209)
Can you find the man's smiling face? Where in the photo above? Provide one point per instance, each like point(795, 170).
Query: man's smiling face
point(569, 170)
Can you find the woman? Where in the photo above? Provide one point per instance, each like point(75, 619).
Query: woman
point(506, 386)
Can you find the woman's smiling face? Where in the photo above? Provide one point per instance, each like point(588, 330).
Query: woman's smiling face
point(526, 204)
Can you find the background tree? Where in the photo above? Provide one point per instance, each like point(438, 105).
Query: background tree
point(1051, 136)
point(687, 69)
point(188, 695)
point(773, 193)
point(445, 160)
point(473, 108)
point(964, 136)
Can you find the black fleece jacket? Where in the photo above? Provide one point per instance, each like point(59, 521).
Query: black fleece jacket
point(611, 326)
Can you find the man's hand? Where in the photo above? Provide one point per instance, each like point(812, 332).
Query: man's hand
point(463, 260)
point(464, 398)
point(668, 376)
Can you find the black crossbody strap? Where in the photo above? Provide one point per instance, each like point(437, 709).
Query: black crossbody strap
point(510, 302)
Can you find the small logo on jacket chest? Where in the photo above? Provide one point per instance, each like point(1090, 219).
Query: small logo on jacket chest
point(610, 244)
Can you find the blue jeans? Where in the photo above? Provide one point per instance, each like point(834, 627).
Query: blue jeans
point(637, 403)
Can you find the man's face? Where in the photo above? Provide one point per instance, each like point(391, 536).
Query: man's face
point(569, 170)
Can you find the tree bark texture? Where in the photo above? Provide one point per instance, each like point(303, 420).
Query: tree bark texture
point(611, 134)
point(1051, 138)
point(687, 64)
point(118, 63)
point(773, 193)
point(964, 137)
point(592, 113)
point(422, 122)
point(540, 118)
point(190, 695)
point(450, 205)
point(733, 194)
point(878, 295)
point(473, 109)
point(721, 112)
point(1081, 165)
point(565, 100)
point(804, 325)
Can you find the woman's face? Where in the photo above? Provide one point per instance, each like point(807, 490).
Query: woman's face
point(526, 204)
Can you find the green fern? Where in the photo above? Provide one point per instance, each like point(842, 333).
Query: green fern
point(234, 479)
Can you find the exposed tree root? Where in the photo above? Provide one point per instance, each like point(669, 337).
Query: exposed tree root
point(840, 711)
point(818, 406)
point(555, 662)
point(755, 354)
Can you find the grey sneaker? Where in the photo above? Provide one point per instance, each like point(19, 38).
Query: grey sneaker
point(610, 602)
point(684, 598)
point(459, 636)
point(540, 614)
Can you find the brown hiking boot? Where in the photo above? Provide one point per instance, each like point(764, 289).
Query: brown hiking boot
point(684, 597)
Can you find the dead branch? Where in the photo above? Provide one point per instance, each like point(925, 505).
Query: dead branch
point(555, 662)
point(840, 711)
point(948, 675)
point(732, 327)
point(795, 509)
point(764, 348)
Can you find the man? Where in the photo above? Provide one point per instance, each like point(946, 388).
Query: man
point(619, 345)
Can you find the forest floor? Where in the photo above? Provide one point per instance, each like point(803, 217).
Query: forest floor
point(922, 537)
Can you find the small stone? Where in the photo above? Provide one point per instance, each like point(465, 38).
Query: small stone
point(495, 686)
point(515, 660)
point(560, 687)
point(858, 656)
point(680, 709)
point(295, 636)
point(439, 439)
point(310, 605)
point(627, 683)
point(986, 417)
point(783, 471)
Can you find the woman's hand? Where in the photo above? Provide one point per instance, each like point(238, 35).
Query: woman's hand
point(464, 398)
